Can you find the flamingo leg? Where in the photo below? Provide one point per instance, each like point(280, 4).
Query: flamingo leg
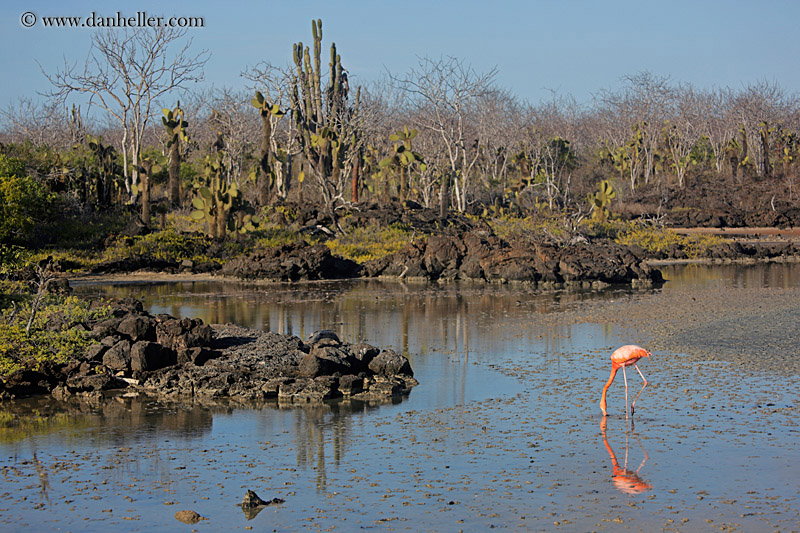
point(642, 390)
point(625, 377)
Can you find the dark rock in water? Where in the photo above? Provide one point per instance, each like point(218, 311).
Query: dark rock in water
point(478, 254)
point(390, 363)
point(292, 262)
point(180, 334)
point(94, 383)
point(350, 385)
point(251, 499)
point(28, 382)
point(197, 355)
point(317, 336)
point(306, 390)
point(191, 359)
point(323, 361)
point(252, 504)
point(364, 353)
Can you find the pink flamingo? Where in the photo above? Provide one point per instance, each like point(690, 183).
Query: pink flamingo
point(624, 356)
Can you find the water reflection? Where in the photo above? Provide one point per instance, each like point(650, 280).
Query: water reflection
point(699, 275)
point(413, 317)
point(113, 420)
point(626, 481)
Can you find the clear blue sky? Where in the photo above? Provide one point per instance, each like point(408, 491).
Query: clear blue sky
point(574, 47)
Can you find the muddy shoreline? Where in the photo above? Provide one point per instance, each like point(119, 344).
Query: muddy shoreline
point(753, 328)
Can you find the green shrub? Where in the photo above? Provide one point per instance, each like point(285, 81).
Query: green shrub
point(60, 342)
point(363, 244)
point(531, 228)
point(167, 245)
point(78, 229)
point(12, 257)
point(275, 236)
point(657, 240)
point(24, 202)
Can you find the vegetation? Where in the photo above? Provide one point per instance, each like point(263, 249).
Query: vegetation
point(659, 241)
point(24, 202)
point(289, 158)
point(372, 242)
point(52, 337)
point(165, 246)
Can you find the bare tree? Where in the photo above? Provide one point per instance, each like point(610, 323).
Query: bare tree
point(230, 117)
point(636, 117)
point(44, 124)
point(448, 91)
point(497, 128)
point(680, 130)
point(716, 124)
point(759, 108)
point(125, 73)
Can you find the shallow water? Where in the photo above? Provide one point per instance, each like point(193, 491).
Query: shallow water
point(502, 431)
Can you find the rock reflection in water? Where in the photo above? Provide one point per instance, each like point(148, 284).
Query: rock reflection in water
point(408, 317)
point(321, 431)
point(110, 420)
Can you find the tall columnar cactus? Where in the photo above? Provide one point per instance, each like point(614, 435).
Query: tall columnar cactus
point(214, 199)
point(267, 175)
point(325, 121)
point(175, 126)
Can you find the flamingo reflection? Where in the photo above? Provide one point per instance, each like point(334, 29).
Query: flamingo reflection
point(626, 481)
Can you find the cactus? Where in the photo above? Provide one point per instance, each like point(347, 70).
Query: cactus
point(764, 132)
point(107, 169)
point(175, 126)
point(267, 176)
point(600, 201)
point(220, 204)
point(214, 198)
point(403, 157)
point(325, 122)
point(146, 169)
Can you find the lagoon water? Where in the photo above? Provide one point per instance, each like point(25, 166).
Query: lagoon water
point(503, 430)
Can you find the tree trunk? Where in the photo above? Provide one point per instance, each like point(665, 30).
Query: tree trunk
point(221, 220)
point(444, 196)
point(145, 186)
point(354, 179)
point(766, 166)
point(403, 183)
point(263, 184)
point(174, 190)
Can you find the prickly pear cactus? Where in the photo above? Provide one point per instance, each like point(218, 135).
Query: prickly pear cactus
point(600, 201)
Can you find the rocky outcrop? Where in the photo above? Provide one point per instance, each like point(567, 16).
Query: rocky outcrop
point(480, 255)
point(291, 262)
point(256, 365)
point(165, 356)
